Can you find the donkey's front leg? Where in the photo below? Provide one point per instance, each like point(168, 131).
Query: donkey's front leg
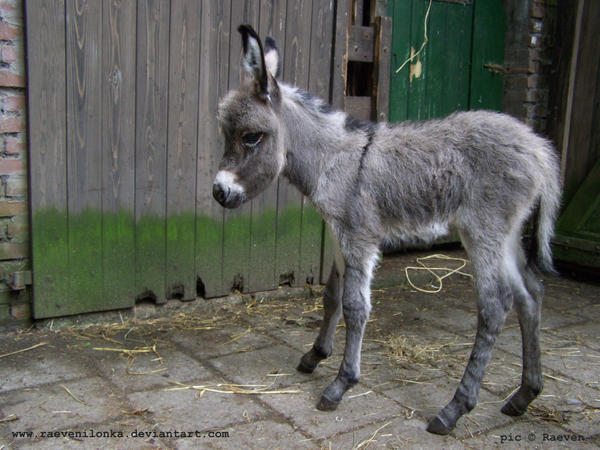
point(332, 307)
point(356, 307)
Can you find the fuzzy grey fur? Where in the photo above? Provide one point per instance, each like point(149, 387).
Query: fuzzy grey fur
point(480, 173)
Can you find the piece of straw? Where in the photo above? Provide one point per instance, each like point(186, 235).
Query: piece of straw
point(425, 40)
point(9, 418)
point(73, 395)
point(229, 388)
point(372, 438)
point(23, 350)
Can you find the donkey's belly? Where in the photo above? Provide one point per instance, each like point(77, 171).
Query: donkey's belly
point(398, 235)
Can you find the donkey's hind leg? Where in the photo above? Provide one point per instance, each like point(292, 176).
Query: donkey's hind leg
point(494, 302)
point(527, 291)
point(332, 307)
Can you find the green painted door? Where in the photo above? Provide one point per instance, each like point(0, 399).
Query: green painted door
point(459, 67)
point(577, 237)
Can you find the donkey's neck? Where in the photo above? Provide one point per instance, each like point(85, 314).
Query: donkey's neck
point(315, 135)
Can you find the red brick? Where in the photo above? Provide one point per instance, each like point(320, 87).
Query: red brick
point(534, 67)
point(9, 32)
point(10, 166)
point(16, 185)
point(10, 209)
point(14, 103)
point(11, 9)
point(18, 230)
point(14, 145)
point(11, 79)
point(11, 124)
point(9, 54)
point(537, 11)
point(534, 54)
point(532, 82)
point(10, 250)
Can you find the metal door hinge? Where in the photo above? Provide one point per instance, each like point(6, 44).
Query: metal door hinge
point(496, 68)
point(17, 281)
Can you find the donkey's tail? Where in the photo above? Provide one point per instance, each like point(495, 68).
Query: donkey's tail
point(540, 253)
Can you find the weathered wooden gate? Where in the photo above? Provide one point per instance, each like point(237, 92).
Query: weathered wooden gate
point(124, 145)
point(460, 66)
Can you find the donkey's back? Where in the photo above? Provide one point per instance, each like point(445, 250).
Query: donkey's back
point(473, 169)
point(471, 149)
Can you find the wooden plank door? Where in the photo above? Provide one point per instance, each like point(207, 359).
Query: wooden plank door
point(48, 162)
point(182, 148)
point(124, 145)
point(214, 75)
point(118, 155)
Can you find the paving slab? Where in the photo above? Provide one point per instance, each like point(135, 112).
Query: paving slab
point(574, 405)
point(264, 434)
point(62, 406)
point(586, 334)
point(397, 432)
point(149, 370)
point(45, 364)
point(577, 362)
point(193, 410)
point(122, 433)
point(359, 407)
point(273, 366)
point(427, 400)
point(204, 344)
point(413, 357)
point(567, 295)
point(531, 435)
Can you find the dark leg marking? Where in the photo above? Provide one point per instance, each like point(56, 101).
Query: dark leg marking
point(356, 308)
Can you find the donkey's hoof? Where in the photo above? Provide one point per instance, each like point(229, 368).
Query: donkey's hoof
point(305, 368)
point(436, 426)
point(327, 405)
point(511, 410)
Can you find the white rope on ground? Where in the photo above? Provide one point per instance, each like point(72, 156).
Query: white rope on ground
point(425, 41)
point(439, 278)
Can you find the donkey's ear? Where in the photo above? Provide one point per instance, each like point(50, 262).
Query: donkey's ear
point(272, 57)
point(254, 58)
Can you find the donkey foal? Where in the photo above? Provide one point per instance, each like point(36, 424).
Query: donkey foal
point(482, 173)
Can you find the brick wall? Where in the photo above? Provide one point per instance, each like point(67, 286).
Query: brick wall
point(527, 59)
point(14, 210)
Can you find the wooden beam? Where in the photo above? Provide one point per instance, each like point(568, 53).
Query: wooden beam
point(359, 107)
point(381, 67)
point(339, 67)
point(360, 43)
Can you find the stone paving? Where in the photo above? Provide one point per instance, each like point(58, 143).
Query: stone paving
point(221, 373)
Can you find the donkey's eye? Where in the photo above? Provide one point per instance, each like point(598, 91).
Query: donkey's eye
point(251, 139)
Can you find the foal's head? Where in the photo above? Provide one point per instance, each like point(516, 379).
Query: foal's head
point(254, 151)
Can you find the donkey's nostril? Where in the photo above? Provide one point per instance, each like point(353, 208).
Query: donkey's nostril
point(219, 193)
